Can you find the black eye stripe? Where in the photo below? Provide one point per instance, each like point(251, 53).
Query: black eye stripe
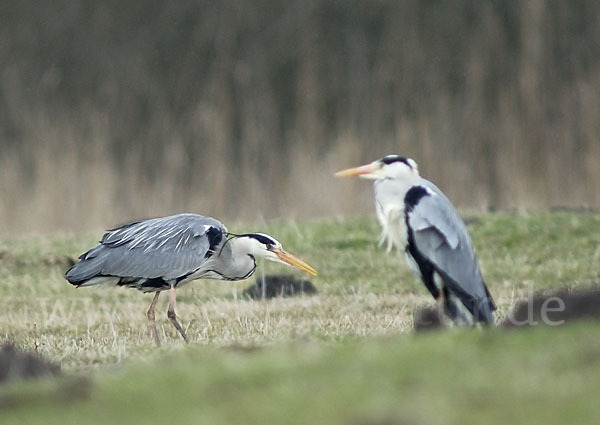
point(390, 159)
point(261, 238)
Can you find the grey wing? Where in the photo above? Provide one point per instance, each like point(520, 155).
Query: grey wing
point(168, 248)
point(441, 236)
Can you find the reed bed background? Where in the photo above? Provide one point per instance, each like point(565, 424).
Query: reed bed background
point(111, 111)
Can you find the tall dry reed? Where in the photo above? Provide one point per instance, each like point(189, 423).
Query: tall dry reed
point(111, 111)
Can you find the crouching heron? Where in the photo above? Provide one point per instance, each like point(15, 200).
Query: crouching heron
point(416, 217)
point(165, 253)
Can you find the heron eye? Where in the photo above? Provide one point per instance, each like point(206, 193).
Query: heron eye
point(269, 247)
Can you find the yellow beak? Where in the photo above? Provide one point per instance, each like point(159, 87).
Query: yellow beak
point(288, 258)
point(357, 171)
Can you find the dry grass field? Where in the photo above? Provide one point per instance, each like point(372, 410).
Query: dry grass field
point(343, 355)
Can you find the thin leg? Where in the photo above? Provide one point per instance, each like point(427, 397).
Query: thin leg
point(440, 304)
point(171, 313)
point(152, 322)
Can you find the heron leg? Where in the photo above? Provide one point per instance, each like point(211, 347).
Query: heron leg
point(152, 322)
point(171, 313)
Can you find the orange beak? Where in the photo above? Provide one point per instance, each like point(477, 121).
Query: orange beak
point(288, 258)
point(357, 171)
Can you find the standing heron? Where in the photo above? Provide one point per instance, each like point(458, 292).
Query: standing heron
point(165, 253)
point(416, 217)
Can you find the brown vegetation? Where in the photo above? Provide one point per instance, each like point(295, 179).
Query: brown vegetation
point(243, 110)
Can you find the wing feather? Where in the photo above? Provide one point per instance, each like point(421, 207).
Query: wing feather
point(442, 238)
point(167, 247)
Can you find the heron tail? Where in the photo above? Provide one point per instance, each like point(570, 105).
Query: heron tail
point(471, 313)
point(87, 269)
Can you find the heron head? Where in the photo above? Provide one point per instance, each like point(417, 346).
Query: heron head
point(267, 247)
point(390, 166)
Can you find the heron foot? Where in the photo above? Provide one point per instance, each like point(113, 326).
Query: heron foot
point(171, 313)
point(173, 318)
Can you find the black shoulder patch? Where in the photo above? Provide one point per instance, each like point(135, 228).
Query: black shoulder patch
point(215, 236)
point(413, 196)
point(390, 159)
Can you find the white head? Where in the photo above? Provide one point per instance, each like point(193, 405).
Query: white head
point(264, 246)
point(390, 166)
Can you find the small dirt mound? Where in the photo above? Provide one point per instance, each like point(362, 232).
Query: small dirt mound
point(428, 319)
point(555, 308)
point(16, 364)
point(279, 286)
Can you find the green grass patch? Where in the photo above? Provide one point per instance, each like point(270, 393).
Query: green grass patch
point(344, 355)
point(455, 377)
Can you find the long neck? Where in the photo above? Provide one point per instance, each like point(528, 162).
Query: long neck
point(389, 204)
point(390, 193)
point(234, 262)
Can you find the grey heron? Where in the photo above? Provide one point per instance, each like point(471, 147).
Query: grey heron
point(165, 253)
point(416, 217)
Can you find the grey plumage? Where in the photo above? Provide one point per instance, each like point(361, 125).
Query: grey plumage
point(167, 248)
point(442, 238)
